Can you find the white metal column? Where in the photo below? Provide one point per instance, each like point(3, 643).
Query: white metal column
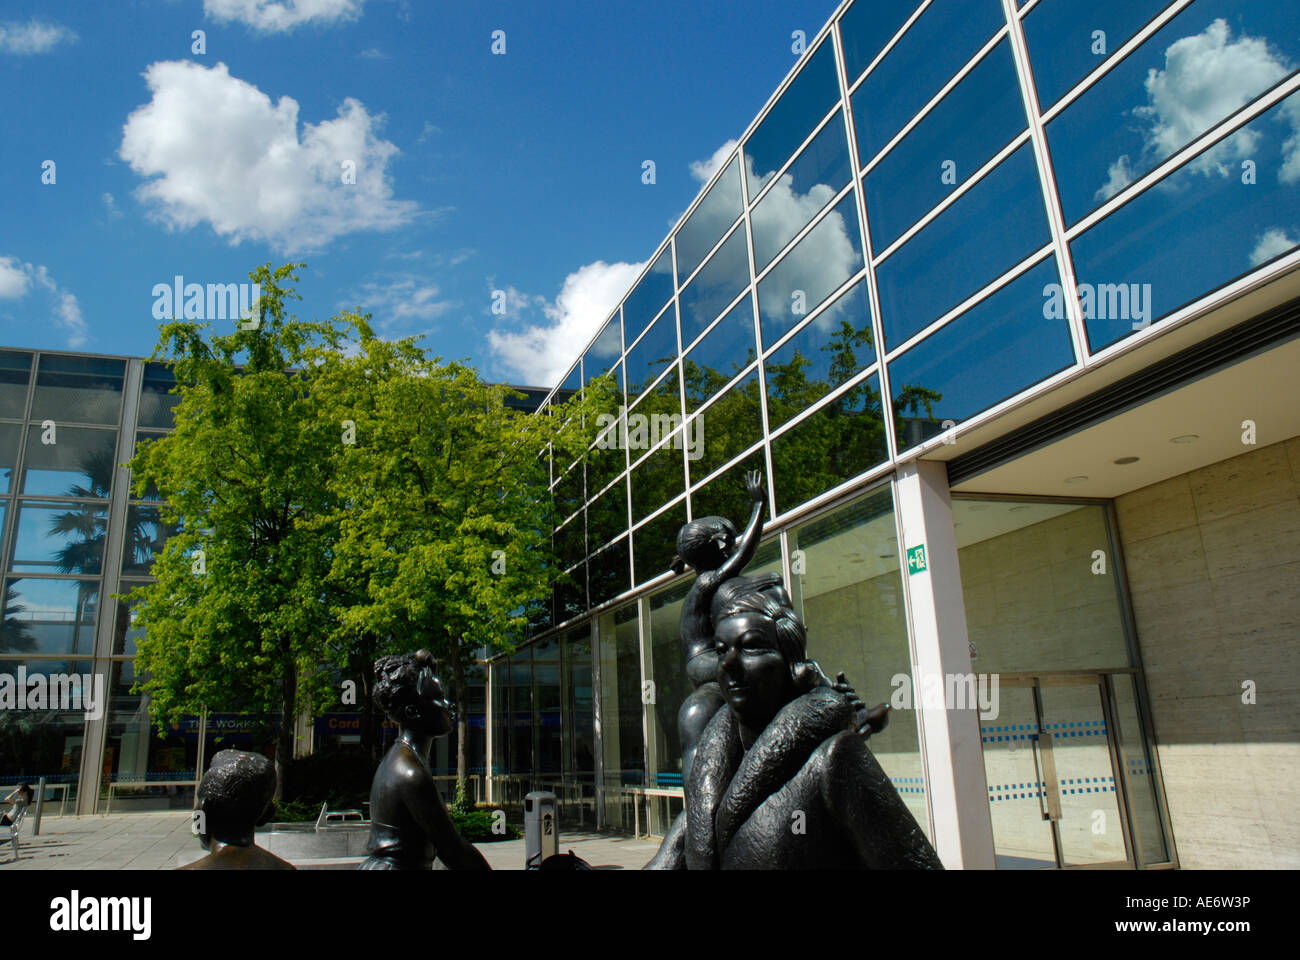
point(954, 758)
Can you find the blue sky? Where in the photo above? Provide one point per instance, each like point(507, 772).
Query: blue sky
point(519, 172)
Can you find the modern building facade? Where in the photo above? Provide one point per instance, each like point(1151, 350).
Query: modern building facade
point(73, 536)
point(1001, 299)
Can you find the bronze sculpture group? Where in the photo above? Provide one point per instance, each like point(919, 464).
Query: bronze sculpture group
point(776, 771)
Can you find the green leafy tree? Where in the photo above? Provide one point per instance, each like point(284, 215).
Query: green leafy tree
point(440, 505)
point(239, 617)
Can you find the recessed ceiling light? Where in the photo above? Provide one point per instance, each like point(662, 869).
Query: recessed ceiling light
point(1020, 507)
point(1186, 438)
point(1125, 461)
point(886, 556)
point(1076, 479)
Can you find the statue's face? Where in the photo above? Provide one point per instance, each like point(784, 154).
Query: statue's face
point(752, 671)
point(436, 711)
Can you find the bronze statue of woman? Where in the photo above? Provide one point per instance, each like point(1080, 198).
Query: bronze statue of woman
point(410, 826)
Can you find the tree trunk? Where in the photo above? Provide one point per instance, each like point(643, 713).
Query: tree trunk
point(288, 720)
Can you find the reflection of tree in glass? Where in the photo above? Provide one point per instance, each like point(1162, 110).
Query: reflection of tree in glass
point(83, 529)
point(15, 637)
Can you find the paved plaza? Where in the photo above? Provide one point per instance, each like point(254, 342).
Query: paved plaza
point(162, 841)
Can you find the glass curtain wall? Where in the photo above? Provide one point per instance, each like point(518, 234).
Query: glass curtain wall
point(848, 588)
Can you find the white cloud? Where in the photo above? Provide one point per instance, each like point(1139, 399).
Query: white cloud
point(373, 53)
point(1290, 170)
point(17, 279)
point(13, 279)
point(271, 16)
point(219, 151)
point(110, 206)
point(1119, 176)
point(402, 304)
point(541, 354)
point(34, 36)
point(1270, 244)
point(703, 170)
point(1206, 77)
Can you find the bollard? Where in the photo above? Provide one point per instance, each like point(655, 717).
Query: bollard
point(40, 803)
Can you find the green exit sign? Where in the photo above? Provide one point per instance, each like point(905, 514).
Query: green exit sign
point(916, 558)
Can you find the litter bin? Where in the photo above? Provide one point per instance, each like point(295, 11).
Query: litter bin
point(541, 831)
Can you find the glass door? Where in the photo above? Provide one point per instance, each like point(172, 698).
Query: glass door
point(1055, 799)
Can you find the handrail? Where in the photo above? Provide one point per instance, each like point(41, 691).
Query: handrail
point(144, 783)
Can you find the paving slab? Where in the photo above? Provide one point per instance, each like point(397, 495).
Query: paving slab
point(162, 841)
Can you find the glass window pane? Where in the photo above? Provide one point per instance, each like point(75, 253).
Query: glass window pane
point(569, 492)
point(866, 27)
point(926, 57)
point(655, 544)
point(649, 296)
point(580, 728)
point(671, 685)
point(996, 349)
point(620, 708)
point(520, 732)
point(604, 351)
point(571, 594)
point(609, 573)
point(709, 221)
point(607, 515)
point(730, 425)
point(15, 371)
point(821, 262)
point(827, 352)
point(78, 389)
point(835, 444)
point(717, 284)
point(810, 183)
point(604, 463)
point(652, 354)
point(571, 543)
point(60, 538)
point(146, 536)
point(10, 436)
point(723, 352)
point(1214, 57)
point(994, 226)
point(156, 400)
point(850, 595)
point(658, 479)
point(978, 118)
point(50, 616)
point(1064, 46)
point(1154, 255)
point(725, 495)
point(126, 631)
point(809, 97)
point(79, 463)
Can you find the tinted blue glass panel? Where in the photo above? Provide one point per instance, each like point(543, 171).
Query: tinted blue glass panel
point(828, 351)
point(731, 424)
point(866, 27)
point(808, 98)
point(571, 383)
point(609, 573)
point(810, 183)
point(1155, 254)
point(937, 45)
point(709, 221)
point(978, 118)
point(838, 442)
point(1211, 59)
point(1063, 43)
point(652, 354)
point(79, 464)
point(15, 371)
point(606, 348)
point(823, 260)
point(649, 296)
point(1001, 346)
point(717, 284)
point(985, 233)
point(725, 350)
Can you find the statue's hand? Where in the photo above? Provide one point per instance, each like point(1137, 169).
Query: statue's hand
point(754, 486)
point(870, 720)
